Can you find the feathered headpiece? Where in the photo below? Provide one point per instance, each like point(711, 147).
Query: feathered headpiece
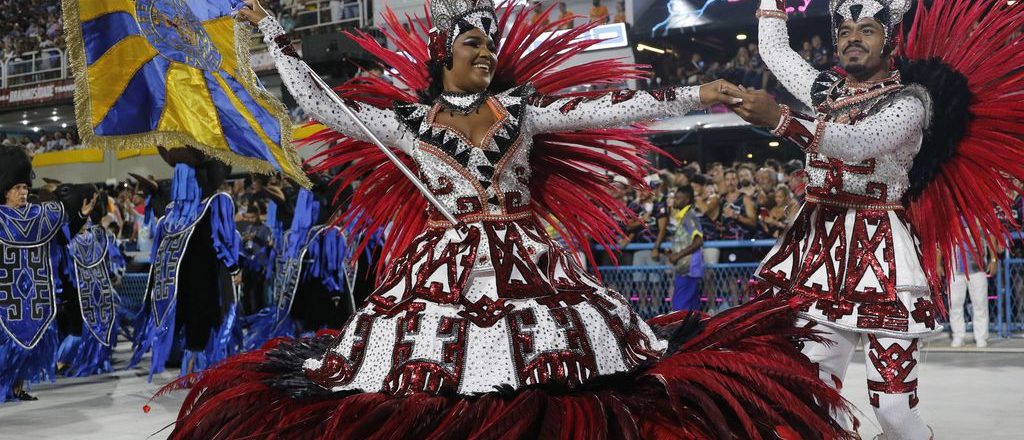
point(889, 13)
point(452, 18)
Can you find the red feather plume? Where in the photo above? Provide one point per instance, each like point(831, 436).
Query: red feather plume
point(968, 200)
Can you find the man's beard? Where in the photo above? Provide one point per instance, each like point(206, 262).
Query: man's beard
point(856, 69)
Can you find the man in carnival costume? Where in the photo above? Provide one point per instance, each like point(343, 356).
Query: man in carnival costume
point(899, 140)
point(489, 327)
point(89, 297)
point(190, 297)
point(33, 241)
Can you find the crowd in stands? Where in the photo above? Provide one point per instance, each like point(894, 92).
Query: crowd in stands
point(740, 202)
point(28, 26)
point(43, 142)
point(745, 67)
point(745, 201)
point(598, 13)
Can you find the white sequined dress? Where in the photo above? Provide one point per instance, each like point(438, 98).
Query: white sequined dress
point(498, 304)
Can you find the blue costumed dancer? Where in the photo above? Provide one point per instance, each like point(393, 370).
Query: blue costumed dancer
point(191, 289)
point(95, 263)
point(315, 274)
point(33, 243)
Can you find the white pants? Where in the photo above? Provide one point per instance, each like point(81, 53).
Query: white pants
point(959, 286)
point(891, 366)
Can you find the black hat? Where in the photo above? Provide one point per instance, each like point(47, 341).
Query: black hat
point(15, 167)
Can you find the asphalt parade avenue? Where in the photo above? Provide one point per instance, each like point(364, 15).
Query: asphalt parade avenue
point(971, 395)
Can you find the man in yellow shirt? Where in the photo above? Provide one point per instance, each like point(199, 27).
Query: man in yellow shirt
point(599, 13)
point(564, 14)
point(620, 13)
point(538, 15)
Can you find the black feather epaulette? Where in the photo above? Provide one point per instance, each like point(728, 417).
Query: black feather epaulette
point(950, 102)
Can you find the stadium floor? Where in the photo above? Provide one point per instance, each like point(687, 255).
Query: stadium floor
point(965, 394)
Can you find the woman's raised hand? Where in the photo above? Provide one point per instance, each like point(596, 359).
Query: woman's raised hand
point(252, 12)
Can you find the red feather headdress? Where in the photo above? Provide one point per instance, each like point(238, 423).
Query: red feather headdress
point(570, 182)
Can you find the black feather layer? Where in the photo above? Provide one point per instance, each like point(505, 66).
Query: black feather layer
point(951, 99)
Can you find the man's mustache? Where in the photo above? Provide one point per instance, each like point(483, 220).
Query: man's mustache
point(854, 45)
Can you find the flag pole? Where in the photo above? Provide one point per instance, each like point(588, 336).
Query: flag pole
point(383, 148)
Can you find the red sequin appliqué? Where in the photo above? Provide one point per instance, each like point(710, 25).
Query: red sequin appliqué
point(894, 363)
point(864, 261)
point(416, 375)
point(335, 369)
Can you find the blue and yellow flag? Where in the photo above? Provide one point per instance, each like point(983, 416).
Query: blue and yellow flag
point(174, 72)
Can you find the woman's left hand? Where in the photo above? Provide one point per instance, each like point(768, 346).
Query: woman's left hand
point(716, 92)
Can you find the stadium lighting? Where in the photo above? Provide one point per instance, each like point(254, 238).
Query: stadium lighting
point(773, 144)
point(741, 37)
point(35, 129)
point(54, 118)
point(750, 156)
point(643, 47)
point(24, 122)
point(64, 125)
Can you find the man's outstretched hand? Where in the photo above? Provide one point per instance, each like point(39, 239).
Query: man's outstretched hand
point(757, 106)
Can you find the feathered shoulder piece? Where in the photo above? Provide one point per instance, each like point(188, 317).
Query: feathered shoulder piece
point(969, 56)
point(570, 180)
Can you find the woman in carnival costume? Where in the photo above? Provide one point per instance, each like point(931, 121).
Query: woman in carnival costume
point(488, 328)
point(33, 239)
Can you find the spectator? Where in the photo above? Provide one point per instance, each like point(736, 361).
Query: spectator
point(709, 213)
point(807, 52)
point(686, 257)
point(821, 56)
point(716, 172)
point(599, 13)
point(565, 17)
point(784, 207)
point(620, 12)
point(538, 15)
point(693, 72)
point(738, 210)
point(739, 70)
point(758, 72)
point(255, 193)
point(970, 276)
point(766, 180)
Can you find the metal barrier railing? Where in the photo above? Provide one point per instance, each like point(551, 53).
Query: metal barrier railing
point(649, 287)
point(328, 13)
point(1010, 292)
point(132, 292)
point(33, 67)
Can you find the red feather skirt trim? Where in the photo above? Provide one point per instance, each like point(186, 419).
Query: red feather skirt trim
point(735, 375)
